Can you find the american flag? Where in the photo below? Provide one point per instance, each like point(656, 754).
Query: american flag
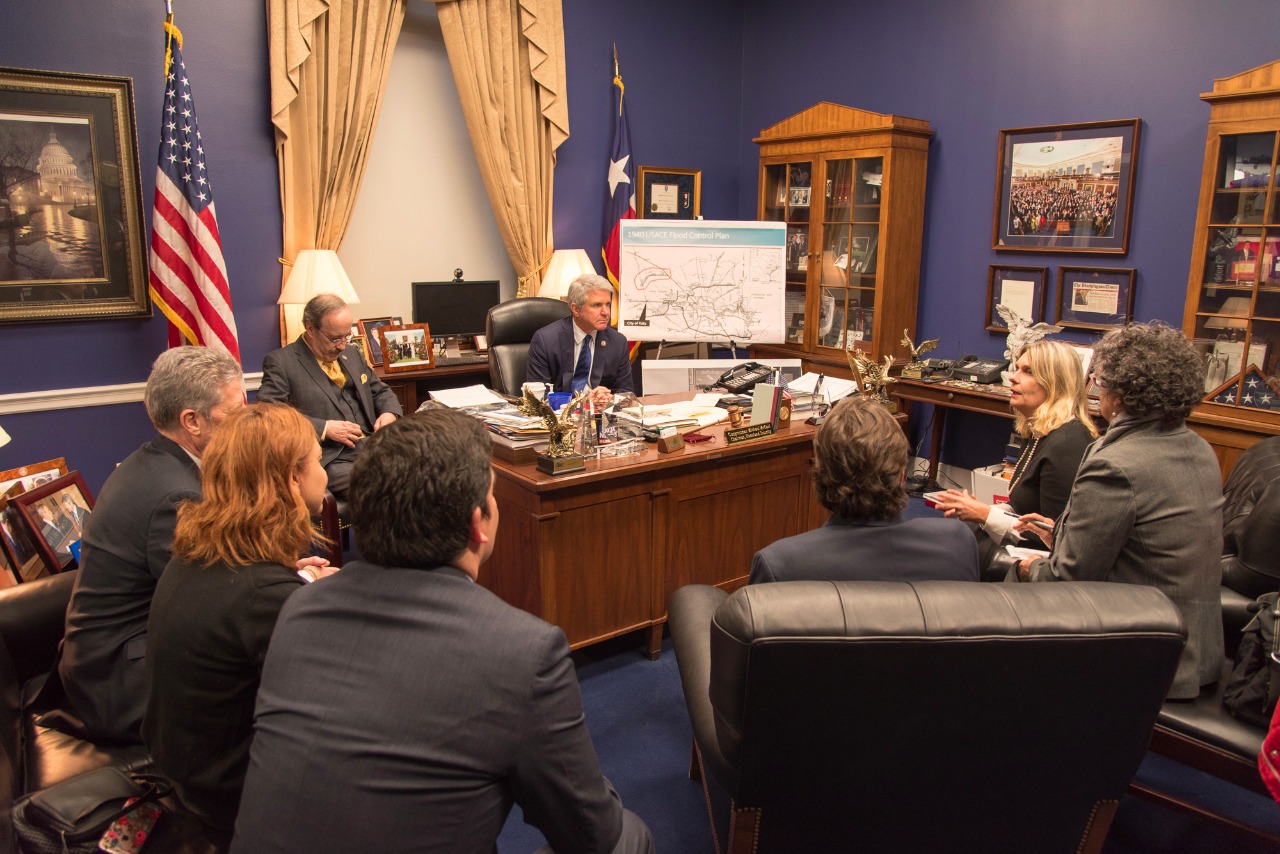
point(622, 192)
point(188, 275)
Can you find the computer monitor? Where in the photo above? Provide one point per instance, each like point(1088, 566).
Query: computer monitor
point(454, 308)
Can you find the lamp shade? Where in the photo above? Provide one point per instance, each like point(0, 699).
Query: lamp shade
point(4, 438)
point(315, 272)
point(566, 265)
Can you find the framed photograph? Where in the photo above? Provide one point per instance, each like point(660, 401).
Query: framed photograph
point(1094, 297)
point(1066, 188)
point(800, 196)
point(15, 542)
point(373, 344)
point(669, 193)
point(33, 475)
point(55, 514)
point(72, 242)
point(1020, 289)
point(406, 347)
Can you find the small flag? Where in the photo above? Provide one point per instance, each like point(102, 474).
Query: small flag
point(188, 275)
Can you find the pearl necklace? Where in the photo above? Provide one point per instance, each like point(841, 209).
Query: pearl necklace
point(1024, 460)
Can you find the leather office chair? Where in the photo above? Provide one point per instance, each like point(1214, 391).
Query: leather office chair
point(921, 716)
point(335, 524)
point(509, 328)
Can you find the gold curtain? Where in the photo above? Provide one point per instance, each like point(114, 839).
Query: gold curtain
point(507, 58)
point(329, 66)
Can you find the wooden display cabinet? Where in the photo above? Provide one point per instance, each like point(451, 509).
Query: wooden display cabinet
point(849, 184)
point(1233, 294)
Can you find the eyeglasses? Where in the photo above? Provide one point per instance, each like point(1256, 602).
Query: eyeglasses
point(334, 339)
point(1097, 381)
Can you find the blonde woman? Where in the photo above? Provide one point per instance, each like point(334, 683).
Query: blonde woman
point(1047, 395)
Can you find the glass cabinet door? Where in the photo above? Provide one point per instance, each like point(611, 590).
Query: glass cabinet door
point(850, 250)
point(1238, 313)
point(788, 191)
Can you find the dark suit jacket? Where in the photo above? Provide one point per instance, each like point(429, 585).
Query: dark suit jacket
point(209, 630)
point(1146, 508)
point(411, 707)
point(551, 358)
point(292, 375)
point(124, 550)
point(896, 550)
point(1044, 483)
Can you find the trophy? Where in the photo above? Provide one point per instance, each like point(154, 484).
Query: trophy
point(915, 368)
point(560, 457)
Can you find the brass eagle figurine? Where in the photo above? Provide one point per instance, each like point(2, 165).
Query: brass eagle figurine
point(562, 428)
point(917, 352)
point(873, 378)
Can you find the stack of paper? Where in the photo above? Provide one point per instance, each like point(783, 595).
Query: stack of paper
point(468, 398)
point(833, 388)
point(678, 415)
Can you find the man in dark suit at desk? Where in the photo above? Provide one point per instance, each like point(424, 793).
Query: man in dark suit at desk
point(403, 707)
point(859, 466)
point(328, 381)
point(126, 542)
point(582, 350)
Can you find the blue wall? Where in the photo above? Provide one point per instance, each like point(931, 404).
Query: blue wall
point(702, 80)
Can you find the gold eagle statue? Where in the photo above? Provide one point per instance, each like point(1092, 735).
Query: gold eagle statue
point(917, 352)
point(562, 428)
point(873, 379)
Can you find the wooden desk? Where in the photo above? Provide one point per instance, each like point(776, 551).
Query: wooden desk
point(599, 552)
point(411, 387)
point(987, 399)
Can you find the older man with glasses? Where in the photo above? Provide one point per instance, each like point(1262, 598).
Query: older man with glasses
point(328, 381)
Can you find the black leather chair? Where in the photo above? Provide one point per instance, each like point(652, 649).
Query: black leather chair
point(335, 524)
point(1251, 524)
point(509, 328)
point(924, 716)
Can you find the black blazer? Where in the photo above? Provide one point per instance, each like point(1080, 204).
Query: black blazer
point(292, 375)
point(124, 551)
point(1044, 482)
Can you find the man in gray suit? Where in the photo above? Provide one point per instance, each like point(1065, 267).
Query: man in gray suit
point(403, 707)
point(328, 381)
point(859, 467)
point(126, 545)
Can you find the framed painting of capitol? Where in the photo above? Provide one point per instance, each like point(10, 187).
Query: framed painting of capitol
point(71, 231)
point(1066, 188)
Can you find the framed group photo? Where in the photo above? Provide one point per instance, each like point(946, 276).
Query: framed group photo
point(1066, 188)
point(1098, 298)
point(72, 241)
point(669, 193)
point(406, 347)
point(1019, 289)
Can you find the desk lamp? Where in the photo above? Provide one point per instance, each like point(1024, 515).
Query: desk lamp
point(565, 266)
point(315, 272)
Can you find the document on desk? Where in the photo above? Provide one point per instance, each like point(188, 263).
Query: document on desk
point(681, 414)
point(833, 388)
point(467, 398)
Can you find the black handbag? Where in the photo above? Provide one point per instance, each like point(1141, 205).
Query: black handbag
point(71, 817)
point(1254, 684)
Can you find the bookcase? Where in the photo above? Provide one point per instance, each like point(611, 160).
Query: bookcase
point(1232, 311)
point(850, 186)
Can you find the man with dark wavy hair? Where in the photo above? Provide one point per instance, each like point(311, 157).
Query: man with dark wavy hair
point(403, 707)
point(859, 468)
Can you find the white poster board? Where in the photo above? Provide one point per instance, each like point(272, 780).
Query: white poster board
point(702, 281)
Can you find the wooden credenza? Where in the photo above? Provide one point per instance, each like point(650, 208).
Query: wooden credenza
point(599, 552)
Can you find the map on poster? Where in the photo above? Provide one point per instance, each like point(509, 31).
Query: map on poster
point(702, 281)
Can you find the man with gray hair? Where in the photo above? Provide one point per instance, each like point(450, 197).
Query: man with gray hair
point(126, 542)
point(582, 351)
point(326, 379)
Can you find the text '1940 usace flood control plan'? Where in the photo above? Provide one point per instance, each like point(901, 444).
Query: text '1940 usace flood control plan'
point(702, 281)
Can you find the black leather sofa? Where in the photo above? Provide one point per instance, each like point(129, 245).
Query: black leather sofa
point(33, 757)
point(925, 716)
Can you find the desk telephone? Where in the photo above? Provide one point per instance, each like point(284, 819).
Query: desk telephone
point(744, 377)
point(977, 370)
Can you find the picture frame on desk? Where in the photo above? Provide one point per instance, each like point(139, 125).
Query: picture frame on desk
point(15, 542)
point(406, 347)
point(372, 343)
point(1097, 298)
point(1021, 289)
point(74, 245)
point(54, 515)
point(669, 193)
point(33, 475)
point(1088, 166)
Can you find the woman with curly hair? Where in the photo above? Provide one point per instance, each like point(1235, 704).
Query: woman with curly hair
point(1051, 414)
point(859, 466)
point(1146, 507)
point(235, 561)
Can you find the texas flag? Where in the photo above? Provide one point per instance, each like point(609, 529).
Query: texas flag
point(622, 193)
